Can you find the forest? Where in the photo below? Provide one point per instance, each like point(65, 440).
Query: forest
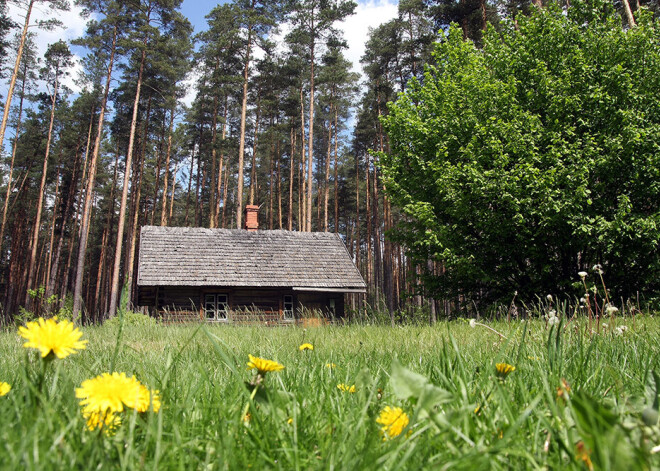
point(279, 120)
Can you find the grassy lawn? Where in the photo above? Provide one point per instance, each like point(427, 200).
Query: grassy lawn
point(460, 414)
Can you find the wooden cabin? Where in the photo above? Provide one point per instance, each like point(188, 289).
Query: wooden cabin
point(237, 275)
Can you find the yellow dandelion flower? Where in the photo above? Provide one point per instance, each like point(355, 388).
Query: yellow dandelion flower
point(502, 370)
point(142, 398)
point(4, 388)
point(346, 387)
point(290, 421)
point(247, 418)
point(393, 421)
point(113, 392)
point(330, 365)
point(306, 346)
point(107, 392)
point(263, 366)
point(107, 421)
point(50, 336)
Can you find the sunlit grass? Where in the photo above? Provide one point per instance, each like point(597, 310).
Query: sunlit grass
point(300, 419)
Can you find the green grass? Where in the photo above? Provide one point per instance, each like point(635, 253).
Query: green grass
point(446, 372)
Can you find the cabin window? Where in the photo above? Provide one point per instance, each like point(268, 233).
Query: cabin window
point(215, 307)
point(288, 306)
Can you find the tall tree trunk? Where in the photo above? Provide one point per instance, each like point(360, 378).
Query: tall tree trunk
point(51, 243)
point(13, 159)
point(42, 190)
point(308, 219)
point(14, 75)
point(291, 165)
point(82, 247)
point(65, 217)
point(326, 183)
point(302, 220)
point(214, 134)
point(107, 234)
point(176, 168)
point(222, 159)
point(114, 291)
point(134, 234)
point(253, 170)
point(629, 14)
point(190, 178)
point(336, 180)
point(163, 209)
point(241, 145)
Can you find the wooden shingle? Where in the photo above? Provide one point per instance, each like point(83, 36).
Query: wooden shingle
point(192, 256)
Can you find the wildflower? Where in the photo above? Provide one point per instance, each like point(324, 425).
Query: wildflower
point(619, 331)
point(306, 346)
point(549, 298)
point(553, 320)
point(346, 387)
point(263, 366)
point(611, 310)
point(50, 336)
point(598, 268)
point(582, 454)
point(107, 421)
point(290, 421)
point(330, 365)
point(552, 313)
point(112, 392)
point(582, 274)
point(393, 421)
point(4, 388)
point(473, 323)
point(503, 370)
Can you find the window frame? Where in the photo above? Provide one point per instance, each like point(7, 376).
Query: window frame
point(220, 309)
point(288, 314)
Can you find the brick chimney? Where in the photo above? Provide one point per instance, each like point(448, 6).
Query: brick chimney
point(251, 217)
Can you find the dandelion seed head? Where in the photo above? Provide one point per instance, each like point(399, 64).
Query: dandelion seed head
point(473, 323)
point(582, 274)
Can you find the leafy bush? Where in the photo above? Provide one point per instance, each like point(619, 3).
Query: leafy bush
point(133, 319)
point(532, 159)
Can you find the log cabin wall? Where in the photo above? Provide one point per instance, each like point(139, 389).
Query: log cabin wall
point(244, 305)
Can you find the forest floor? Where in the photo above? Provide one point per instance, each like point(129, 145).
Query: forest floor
point(574, 400)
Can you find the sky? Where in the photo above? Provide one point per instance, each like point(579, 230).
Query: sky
point(369, 13)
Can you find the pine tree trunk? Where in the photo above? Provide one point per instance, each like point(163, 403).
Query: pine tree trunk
point(82, 247)
point(336, 180)
point(114, 291)
point(629, 14)
point(308, 219)
point(291, 165)
point(241, 145)
point(163, 209)
point(13, 160)
point(214, 134)
point(326, 182)
point(42, 191)
point(222, 159)
point(14, 75)
point(253, 170)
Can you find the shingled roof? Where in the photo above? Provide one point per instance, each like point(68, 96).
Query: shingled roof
point(194, 256)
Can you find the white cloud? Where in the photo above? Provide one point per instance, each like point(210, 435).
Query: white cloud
point(73, 27)
point(356, 27)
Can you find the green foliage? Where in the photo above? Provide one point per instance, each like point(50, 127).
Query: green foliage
point(131, 319)
point(299, 419)
point(520, 164)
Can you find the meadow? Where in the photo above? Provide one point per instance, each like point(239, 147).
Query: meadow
point(575, 400)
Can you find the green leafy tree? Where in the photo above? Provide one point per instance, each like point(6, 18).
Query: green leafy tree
point(535, 158)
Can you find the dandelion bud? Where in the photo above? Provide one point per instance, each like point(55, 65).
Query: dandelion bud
point(549, 298)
